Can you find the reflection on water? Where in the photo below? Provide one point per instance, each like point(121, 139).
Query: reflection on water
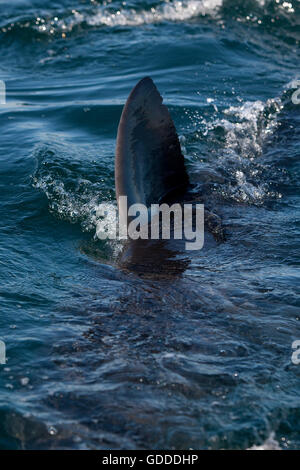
point(153, 258)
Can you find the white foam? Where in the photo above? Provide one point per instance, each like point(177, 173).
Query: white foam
point(69, 205)
point(107, 15)
point(252, 129)
point(81, 207)
point(247, 128)
point(169, 11)
point(245, 141)
point(269, 444)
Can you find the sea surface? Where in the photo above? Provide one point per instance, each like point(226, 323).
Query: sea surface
point(99, 357)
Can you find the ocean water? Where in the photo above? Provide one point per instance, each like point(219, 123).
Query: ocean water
point(102, 358)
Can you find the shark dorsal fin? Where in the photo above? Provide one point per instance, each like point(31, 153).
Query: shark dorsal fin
point(149, 163)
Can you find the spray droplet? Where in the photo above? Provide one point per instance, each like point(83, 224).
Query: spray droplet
point(52, 430)
point(24, 381)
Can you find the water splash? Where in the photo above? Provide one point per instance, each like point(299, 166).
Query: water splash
point(72, 197)
point(114, 13)
point(168, 11)
point(269, 444)
point(242, 133)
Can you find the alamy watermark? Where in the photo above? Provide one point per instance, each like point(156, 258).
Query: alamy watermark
point(296, 94)
point(2, 352)
point(159, 222)
point(296, 353)
point(2, 92)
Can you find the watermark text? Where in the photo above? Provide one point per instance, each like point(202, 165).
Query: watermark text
point(2, 352)
point(2, 92)
point(296, 353)
point(160, 221)
point(296, 94)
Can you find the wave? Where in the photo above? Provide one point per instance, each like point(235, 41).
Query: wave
point(261, 13)
point(269, 444)
point(74, 189)
point(168, 11)
point(237, 141)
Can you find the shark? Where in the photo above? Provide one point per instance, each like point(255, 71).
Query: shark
point(150, 169)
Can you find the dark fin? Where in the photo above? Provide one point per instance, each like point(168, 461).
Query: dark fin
point(149, 164)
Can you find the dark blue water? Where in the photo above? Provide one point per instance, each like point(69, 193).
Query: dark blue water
point(99, 358)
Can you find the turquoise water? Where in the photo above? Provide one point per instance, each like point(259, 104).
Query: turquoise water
point(100, 358)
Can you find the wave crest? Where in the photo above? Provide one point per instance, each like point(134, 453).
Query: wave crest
point(268, 14)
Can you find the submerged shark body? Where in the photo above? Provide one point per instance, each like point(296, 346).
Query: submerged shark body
point(150, 169)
